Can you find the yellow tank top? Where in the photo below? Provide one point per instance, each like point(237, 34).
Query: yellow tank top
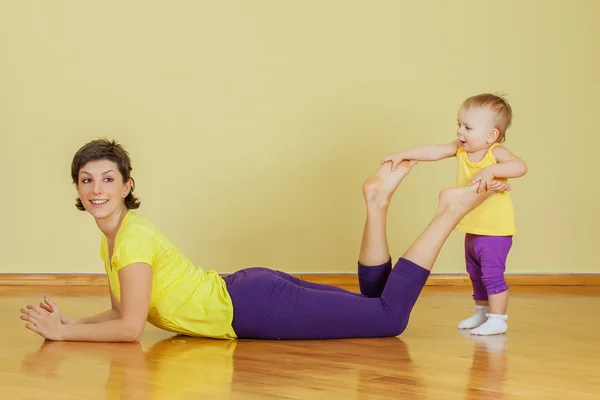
point(495, 217)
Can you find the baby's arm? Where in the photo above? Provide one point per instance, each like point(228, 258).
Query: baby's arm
point(433, 152)
point(508, 165)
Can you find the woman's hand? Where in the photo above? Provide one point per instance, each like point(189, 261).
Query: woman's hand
point(64, 320)
point(44, 319)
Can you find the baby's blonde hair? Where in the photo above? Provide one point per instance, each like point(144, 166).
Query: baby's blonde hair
point(497, 104)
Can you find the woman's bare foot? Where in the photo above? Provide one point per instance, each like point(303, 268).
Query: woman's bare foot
point(465, 199)
point(379, 189)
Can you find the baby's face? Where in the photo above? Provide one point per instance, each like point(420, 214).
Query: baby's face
point(475, 128)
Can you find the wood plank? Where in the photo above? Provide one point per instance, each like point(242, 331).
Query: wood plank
point(342, 280)
point(53, 280)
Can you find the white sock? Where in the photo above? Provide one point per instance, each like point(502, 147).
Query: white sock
point(495, 325)
point(476, 320)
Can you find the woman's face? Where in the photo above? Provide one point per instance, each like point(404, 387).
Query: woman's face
point(101, 188)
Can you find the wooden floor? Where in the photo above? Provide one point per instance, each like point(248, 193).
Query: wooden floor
point(552, 351)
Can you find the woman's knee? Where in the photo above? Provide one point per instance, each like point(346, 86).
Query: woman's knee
point(372, 280)
point(393, 323)
point(395, 328)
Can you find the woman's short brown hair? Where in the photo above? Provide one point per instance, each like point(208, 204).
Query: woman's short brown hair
point(104, 149)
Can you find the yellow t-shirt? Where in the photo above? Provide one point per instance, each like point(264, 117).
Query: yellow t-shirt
point(185, 299)
point(495, 217)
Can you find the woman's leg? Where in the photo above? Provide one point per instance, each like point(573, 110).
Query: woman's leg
point(303, 283)
point(268, 307)
point(374, 260)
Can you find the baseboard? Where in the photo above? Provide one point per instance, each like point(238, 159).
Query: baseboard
point(53, 280)
point(343, 280)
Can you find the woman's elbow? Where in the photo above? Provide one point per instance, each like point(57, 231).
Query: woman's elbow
point(133, 333)
point(135, 338)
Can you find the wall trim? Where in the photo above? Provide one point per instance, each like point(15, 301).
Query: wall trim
point(346, 280)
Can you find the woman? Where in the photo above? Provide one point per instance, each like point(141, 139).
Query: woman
point(151, 280)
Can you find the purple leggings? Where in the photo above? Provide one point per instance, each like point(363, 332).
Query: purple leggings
point(271, 304)
point(486, 262)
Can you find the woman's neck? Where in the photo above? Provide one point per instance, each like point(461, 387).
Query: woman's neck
point(110, 224)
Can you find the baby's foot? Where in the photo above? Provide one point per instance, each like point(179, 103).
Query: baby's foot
point(495, 325)
point(475, 320)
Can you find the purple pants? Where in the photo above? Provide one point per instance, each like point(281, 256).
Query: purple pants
point(486, 262)
point(271, 304)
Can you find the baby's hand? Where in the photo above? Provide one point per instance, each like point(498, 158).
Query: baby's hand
point(483, 179)
point(499, 187)
point(395, 159)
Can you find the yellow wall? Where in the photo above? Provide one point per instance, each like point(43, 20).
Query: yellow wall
point(253, 123)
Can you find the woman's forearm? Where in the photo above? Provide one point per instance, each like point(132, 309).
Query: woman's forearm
point(109, 315)
point(116, 330)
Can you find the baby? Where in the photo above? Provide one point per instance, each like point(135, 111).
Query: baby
point(489, 229)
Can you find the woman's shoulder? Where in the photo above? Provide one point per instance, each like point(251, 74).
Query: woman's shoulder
point(133, 224)
point(137, 232)
point(136, 242)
